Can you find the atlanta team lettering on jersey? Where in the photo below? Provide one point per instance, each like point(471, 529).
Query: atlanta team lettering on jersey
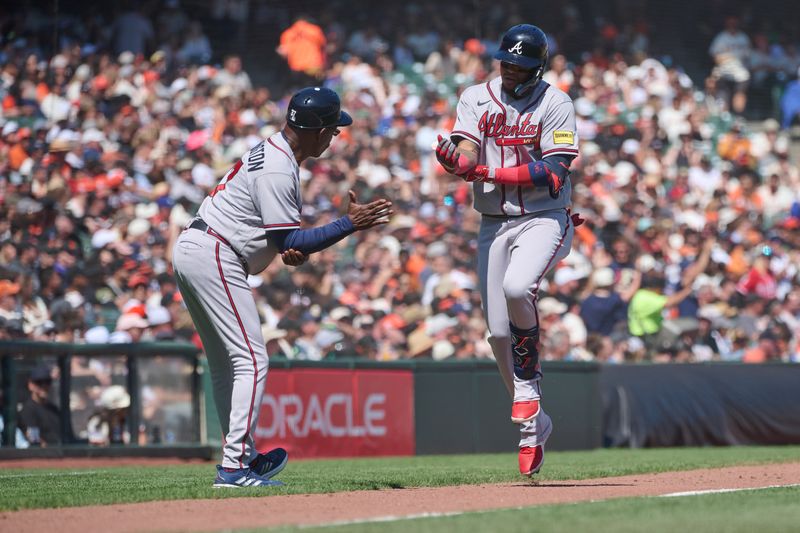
point(512, 132)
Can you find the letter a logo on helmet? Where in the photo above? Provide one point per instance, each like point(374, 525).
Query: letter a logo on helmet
point(517, 48)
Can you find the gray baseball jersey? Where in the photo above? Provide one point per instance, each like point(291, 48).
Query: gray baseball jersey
point(259, 194)
point(512, 132)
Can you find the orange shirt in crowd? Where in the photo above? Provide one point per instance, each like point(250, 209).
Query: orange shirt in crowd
point(755, 355)
point(17, 156)
point(743, 201)
point(303, 45)
point(734, 148)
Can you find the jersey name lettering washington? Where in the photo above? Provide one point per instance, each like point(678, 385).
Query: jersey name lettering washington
point(256, 159)
point(494, 125)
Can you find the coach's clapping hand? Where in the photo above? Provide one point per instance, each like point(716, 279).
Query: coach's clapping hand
point(293, 258)
point(365, 216)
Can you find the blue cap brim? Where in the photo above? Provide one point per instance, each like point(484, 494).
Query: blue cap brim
point(345, 119)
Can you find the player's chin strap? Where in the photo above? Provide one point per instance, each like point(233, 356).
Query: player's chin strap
point(524, 87)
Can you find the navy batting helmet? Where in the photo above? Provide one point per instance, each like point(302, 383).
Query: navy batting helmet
point(524, 45)
point(316, 108)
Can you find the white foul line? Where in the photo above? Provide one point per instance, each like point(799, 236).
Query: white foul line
point(720, 491)
point(388, 518)
point(393, 518)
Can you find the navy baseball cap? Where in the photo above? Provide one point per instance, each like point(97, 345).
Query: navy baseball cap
point(316, 108)
point(41, 374)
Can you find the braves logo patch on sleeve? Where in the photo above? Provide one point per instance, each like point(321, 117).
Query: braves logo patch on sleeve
point(563, 137)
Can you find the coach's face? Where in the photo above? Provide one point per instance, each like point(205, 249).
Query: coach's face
point(512, 75)
point(324, 139)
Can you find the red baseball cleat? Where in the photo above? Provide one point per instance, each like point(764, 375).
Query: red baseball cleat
point(524, 411)
point(531, 459)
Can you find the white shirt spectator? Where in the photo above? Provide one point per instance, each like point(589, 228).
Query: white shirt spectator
point(731, 51)
point(705, 179)
point(776, 197)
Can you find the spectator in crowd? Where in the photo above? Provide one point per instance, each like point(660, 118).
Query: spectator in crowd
point(730, 50)
point(647, 306)
point(232, 78)
point(196, 49)
point(303, 45)
point(133, 31)
point(605, 309)
point(790, 103)
point(19, 437)
point(765, 69)
point(9, 301)
point(39, 419)
point(108, 425)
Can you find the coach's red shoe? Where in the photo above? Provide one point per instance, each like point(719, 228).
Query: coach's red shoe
point(531, 459)
point(524, 411)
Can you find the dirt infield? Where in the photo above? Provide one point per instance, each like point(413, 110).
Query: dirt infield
point(308, 509)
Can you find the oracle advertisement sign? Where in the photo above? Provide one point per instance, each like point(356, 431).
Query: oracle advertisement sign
point(337, 412)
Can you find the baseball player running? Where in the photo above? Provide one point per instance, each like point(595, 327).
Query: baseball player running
point(515, 138)
point(249, 218)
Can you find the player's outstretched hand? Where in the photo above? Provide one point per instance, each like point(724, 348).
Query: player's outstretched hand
point(293, 258)
point(365, 216)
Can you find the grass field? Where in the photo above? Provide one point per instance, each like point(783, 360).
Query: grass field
point(21, 489)
point(762, 511)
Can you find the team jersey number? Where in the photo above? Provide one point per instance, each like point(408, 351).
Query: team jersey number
point(226, 178)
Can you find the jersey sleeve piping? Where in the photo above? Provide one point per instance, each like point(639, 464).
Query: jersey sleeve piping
point(466, 135)
point(565, 151)
point(282, 225)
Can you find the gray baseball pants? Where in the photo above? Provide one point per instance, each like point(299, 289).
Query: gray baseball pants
point(213, 282)
point(514, 254)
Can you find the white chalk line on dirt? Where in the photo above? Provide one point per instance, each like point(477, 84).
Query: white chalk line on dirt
point(393, 518)
point(720, 491)
point(389, 518)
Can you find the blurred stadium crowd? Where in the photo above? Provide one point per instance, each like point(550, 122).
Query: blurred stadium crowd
point(109, 143)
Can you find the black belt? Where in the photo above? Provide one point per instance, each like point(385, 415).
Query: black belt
point(504, 217)
point(200, 224)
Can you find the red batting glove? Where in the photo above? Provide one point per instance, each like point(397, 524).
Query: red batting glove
point(449, 157)
point(480, 173)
